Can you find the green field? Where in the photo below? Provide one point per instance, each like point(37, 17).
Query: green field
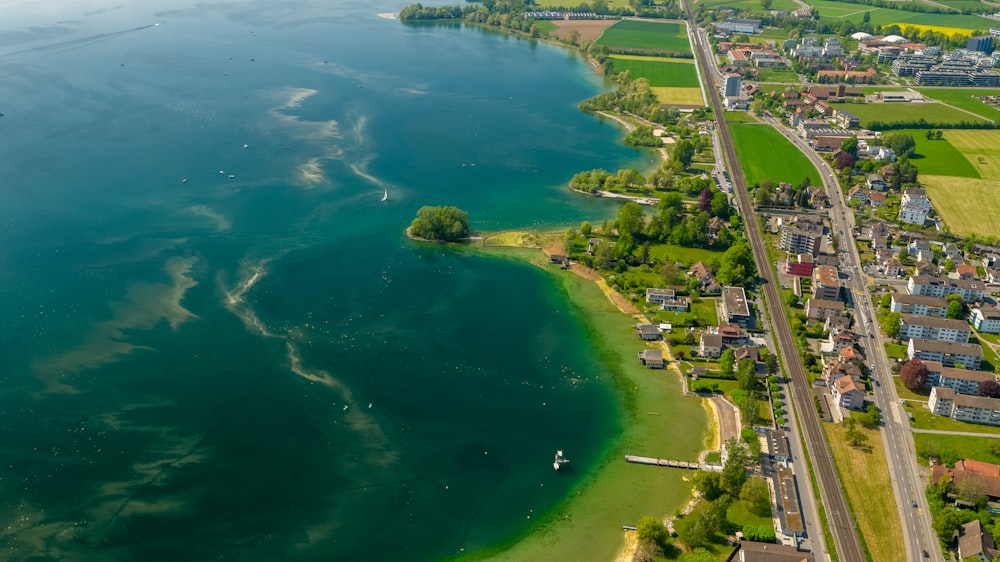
point(679, 96)
point(836, 12)
point(950, 448)
point(659, 36)
point(962, 98)
point(765, 154)
point(981, 148)
point(905, 112)
point(659, 72)
point(740, 117)
point(967, 206)
point(939, 157)
point(865, 476)
point(785, 75)
point(924, 419)
point(687, 256)
point(753, 5)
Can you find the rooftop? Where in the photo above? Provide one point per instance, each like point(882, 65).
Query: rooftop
point(923, 300)
point(935, 322)
point(736, 301)
point(966, 400)
point(947, 347)
point(827, 275)
point(962, 374)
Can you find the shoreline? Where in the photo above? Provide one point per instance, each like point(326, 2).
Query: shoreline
point(613, 493)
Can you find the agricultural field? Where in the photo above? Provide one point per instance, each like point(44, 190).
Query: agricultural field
point(940, 157)
point(547, 4)
point(753, 5)
point(965, 98)
point(870, 496)
point(680, 96)
point(588, 30)
point(906, 112)
point(765, 154)
point(836, 12)
point(661, 72)
point(657, 36)
point(981, 148)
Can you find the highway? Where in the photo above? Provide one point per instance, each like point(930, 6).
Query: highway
point(839, 518)
point(918, 535)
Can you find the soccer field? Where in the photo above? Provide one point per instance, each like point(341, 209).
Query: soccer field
point(659, 36)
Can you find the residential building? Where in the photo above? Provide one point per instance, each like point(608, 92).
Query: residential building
point(971, 290)
point(876, 183)
point(963, 270)
point(877, 199)
point(667, 299)
point(962, 407)
point(857, 193)
point(826, 284)
point(962, 381)
point(986, 319)
point(777, 445)
point(919, 305)
point(840, 339)
point(706, 280)
point(710, 345)
point(846, 119)
point(848, 393)
point(987, 475)
point(932, 328)
point(798, 240)
point(800, 264)
point(820, 309)
point(731, 334)
point(652, 358)
point(735, 308)
point(839, 368)
point(914, 206)
point(948, 354)
point(892, 267)
point(983, 44)
point(747, 352)
point(974, 541)
point(647, 332)
point(749, 551)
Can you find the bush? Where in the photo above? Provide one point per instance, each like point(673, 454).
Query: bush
point(759, 533)
point(440, 223)
point(914, 374)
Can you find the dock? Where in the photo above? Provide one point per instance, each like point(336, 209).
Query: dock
point(673, 463)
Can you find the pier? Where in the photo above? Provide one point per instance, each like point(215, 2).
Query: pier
point(673, 463)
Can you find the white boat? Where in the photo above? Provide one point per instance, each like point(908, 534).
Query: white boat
point(560, 460)
point(385, 196)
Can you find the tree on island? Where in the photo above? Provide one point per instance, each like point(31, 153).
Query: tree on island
point(914, 374)
point(440, 223)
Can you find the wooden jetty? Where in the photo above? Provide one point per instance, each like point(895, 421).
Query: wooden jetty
point(673, 463)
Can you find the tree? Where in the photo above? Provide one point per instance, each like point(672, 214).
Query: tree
point(850, 146)
point(653, 537)
point(586, 228)
point(757, 497)
point(955, 310)
point(872, 418)
point(705, 200)
point(867, 17)
point(630, 219)
point(971, 489)
point(855, 437)
point(574, 36)
point(727, 363)
point(708, 484)
point(440, 223)
point(745, 375)
point(989, 388)
point(737, 266)
point(734, 472)
point(771, 364)
point(914, 374)
point(900, 143)
point(683, 153)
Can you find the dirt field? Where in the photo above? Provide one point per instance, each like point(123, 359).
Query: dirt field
point(590, 30)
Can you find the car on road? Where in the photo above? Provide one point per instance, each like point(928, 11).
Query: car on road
point(914, 502)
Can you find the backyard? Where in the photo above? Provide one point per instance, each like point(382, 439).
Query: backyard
point(950, 448)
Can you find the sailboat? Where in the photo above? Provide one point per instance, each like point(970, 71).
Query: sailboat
point(385, 196)
point(560, 460)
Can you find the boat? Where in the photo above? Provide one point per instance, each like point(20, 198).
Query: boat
point(385, 196)
point(560, 460)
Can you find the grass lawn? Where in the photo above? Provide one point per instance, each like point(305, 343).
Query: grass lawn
point(939, 157)
point(965, 203)
point(740, 117)
point(981, 148)
point(907, 394)
point(865, 476)
point(687, 256)
point(659, 72)
point(765, 154)
point(654, 35)
point(588, 526)
point(964, 98)
point(950, 448)
point(679, 96)
point(739, 515)
point(751, 5)
point(836, 12)
point(898, 112)
point(924, 419)
point(895, 351)
point(704, 310)
point(777, 75)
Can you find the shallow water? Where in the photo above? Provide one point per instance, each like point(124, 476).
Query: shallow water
point(262, 366)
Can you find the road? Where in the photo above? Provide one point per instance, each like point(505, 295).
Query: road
point(897, 440)
point(839, 518)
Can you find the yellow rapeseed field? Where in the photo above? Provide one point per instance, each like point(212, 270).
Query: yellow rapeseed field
point(950, 31)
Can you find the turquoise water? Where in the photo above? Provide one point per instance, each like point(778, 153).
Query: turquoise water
point(263, 367)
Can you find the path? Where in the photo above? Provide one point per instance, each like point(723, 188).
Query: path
point(963, 433)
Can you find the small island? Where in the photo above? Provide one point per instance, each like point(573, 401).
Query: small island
point(441, 224)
